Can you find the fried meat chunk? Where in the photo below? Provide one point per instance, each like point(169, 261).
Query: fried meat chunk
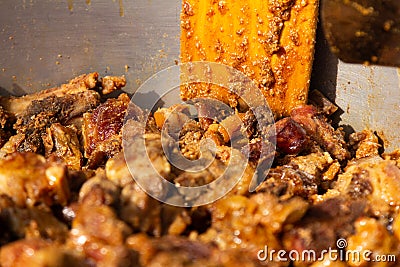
point(62, 142)
point(301, 176)
point(102, 130)
point(97, 230)
point(29, 179)
point(111, 83)
point(178, 251)
point(374, 179)
point(321, 131)
point(39, 253)
point(170, 250)
point(34, 114)
point(370, 235)
point(291, 138)
point(245, 223)
point(29, 222)
point(139, 210)
point(365, 143)
point(323, 224)
point(18, 105)
point(41, 114)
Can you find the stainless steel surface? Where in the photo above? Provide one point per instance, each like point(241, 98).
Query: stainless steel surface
point(368, 96)
point(45, 43)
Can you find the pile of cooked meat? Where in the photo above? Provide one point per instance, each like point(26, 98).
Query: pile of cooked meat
point(67, 197)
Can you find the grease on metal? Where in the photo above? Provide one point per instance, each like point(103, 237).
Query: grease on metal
point(121, 8)
point(88, 2)
point(70, 5)
point(398, 75)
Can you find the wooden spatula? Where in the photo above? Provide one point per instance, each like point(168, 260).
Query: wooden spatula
point(272, 42)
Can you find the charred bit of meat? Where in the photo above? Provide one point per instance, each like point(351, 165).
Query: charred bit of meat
point(62, 142)
point(18, 105)
point(324, 224)
point(371, 235)
point(321, 131)
point(301, 176)
point(365, 144)
point(102, 130)
point(291, 138)
point(29, 222)
point(110, 84)
point(29, 180)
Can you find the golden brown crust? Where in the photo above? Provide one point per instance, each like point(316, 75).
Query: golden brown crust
point(272, 42)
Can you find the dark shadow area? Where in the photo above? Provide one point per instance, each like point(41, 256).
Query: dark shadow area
point(325, 67)
point(146, 101)
point(4, 91)
point(381, 142)
point(16, 90)
point(324, 74)
point(114, 94)
point(347, 129)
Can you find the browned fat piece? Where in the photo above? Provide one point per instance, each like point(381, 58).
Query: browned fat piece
point(271, 41)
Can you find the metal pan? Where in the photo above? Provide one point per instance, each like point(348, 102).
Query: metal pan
point(44, 43)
